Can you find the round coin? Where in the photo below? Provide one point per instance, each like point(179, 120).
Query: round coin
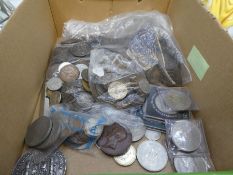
point(81, 68)
point(91, 127)
point(190, 164)
point(55, 164)
point(128, 158)
point(54, 84)
point(86, 86)
point(152, 155)
point(84, 99)
point(69, 73)
point(177, 100)
point(117, 90)
point(144, 86)
point(152, 135)
point(84, 75)
point(138, 132)
point(186, 135)
point(63, 65)
point(81, 49)
point(38, 131)
point(159, 102)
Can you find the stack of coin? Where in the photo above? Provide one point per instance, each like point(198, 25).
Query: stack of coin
point(85, 80)
point(43, 133)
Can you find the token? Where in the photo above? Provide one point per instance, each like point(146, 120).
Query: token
point(128, 158)
point(84, 75)
point(190, 164)
point(152, 135)
point(63, 65)
point(159, 102)
point(54, 83)
point(69, 73)
point(152, 155)
point(115, 140)
point(91, 127)
point(144, 86)
point(55, 164)
point(38, 131)
point(186, 135)
point(117, 90)
point(177, 100)
point(81, 49)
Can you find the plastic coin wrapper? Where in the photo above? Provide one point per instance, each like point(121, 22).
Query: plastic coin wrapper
point(115, 79)
point(132, 122)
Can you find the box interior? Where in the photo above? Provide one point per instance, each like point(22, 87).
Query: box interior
point(25, 46)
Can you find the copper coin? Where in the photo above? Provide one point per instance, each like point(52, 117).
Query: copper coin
point(69, 73)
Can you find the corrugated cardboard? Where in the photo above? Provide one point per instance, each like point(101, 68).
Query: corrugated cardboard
point(25, 45)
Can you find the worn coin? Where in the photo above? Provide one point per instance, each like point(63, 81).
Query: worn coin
point(128, 158)
point(81, 68)
point(38, 131)
point(190, 164)
point(117, 90)
point(86, 86)
point(55, 164)
point(84, 99)
point(152, 135)
point(186, 135)
point(81, 49)
point(177, 100)
point(152, 155)
point(54, 97)
point(160, 104)
point(54, 83)
point(138, 132)
point(91, 127)
point(144, 86)
point(69, 73)
point(63, 65)
point(84, 75)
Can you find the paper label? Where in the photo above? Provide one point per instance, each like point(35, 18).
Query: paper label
point(198, 63)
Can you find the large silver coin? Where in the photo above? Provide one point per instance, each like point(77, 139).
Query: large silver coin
point(186, 135)
point(128, 158)
point(152, 155)
point(177, 100)
point(54, 84)
point(117, 90)
point(55, 164)
point(38, 131)
point(159, 102)
point(190, 164)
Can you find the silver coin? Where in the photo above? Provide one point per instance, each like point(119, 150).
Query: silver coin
point(159, 102)
point(128, 158)
point(144, 86)
point(152, 135)
point(137, 132)
point(177, 100)
point(84, 99)
point(55, 164)
point(186, 135)
point(152, 155)
point(91, 127)
point(81, 49)
point(190, 164)
point(117, 90)
point(84, 75)
point(38, 131)
point(54, 84)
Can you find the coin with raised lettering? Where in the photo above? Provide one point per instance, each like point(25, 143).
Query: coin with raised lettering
point(185, 164)
point(152, 155)
point(54, 83)
point(69, 73)
point(128, 158)
point(117, 90)
point(186, 135)
point(152, 135)
point(144, 86)
point(81, 49)
point(38, 131)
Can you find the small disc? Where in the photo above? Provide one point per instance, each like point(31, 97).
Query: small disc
point(128, 158)
point(117, 90)
point(54, 83)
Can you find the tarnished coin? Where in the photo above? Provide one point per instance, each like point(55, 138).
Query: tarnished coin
point(138, 132)
point(68, 98)
point(153, 135)
point(190, 164)
point(54, 97)
point(117, 90)
point(144, 86)
point(84, 99)
point(81, 49)
point(81, 68)
point(128, 158)
point(152, 155)
point(38, 131)
point(98, 71)
point(69, 73)
point(54, 84)
point(186, 135)
point(92, 128)
point(177, 100)
point(86, 86)
point(63, 65)
point(84, 75)
point(55, 164)
point(159, 102)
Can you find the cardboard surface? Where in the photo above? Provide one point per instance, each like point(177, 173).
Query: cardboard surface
point(214, 94)
point(25, 44)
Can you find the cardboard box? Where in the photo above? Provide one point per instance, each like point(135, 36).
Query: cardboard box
point(25, 46)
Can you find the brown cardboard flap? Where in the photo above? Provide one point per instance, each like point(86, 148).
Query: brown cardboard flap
point(25, 44)
point(214, 94)
point(96, 10)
